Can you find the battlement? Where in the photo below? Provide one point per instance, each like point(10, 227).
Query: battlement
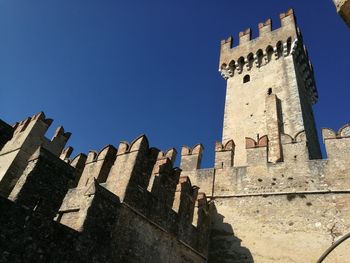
point(286, 20)
point(78, 162)
point(163, 165)
point(343, 132)
point(224, 154)
point(257, 150)
point(110, 184)
point(66, 153)
point(258, 51)
point(337, 143)
point(98, 165)
point(191, 158)
point(261, 142)
point(36, 126)
point(132, 160)
point(265, 27)
point(28, 136)
point(23, 125)
point(58, 141)
point(145, 179)
point(295, 147)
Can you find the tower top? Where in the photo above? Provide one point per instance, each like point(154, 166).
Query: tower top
point(270, 44)
point(266, 37)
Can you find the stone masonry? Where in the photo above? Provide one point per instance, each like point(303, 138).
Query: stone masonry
point(115, 205)
point(270, 196)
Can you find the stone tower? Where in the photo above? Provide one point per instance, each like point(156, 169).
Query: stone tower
point(270, 89)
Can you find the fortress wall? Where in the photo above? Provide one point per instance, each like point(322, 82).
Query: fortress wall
point(279, 228)
point(138, 240)
point(285, 211)
point(129, 204)
point(27, 237)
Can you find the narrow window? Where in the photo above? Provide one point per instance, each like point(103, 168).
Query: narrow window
point(269, 92)
point(246, 79)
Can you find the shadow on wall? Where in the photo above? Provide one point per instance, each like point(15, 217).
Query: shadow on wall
point(224, 246)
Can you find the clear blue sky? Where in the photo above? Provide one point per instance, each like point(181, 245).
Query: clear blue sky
point(111, 70)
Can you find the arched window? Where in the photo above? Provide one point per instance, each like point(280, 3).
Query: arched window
point(246, 78)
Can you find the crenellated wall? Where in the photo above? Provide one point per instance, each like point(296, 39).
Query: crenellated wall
point(295, 173)
point(28, 136)
point(126, 204)
point(159, 204)
point(293, 201)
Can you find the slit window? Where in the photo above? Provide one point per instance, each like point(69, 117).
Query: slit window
point(246, 79)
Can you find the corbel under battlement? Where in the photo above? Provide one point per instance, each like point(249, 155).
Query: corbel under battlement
point(259, 51)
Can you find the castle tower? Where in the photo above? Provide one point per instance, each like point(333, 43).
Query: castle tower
point(270, 89)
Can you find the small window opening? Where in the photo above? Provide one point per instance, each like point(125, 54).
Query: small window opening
point(246, 79)
point(269, 91)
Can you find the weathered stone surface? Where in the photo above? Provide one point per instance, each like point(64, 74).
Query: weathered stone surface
point(28, 136)
point(278, 202)
point(279, 228)
point(43, 184)
point(91, 221)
